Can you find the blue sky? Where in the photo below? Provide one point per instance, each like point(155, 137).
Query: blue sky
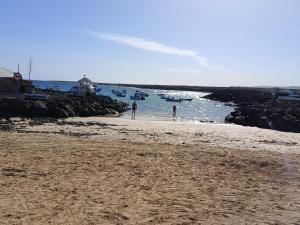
point(193, 42)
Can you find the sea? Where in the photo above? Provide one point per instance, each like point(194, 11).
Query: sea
point(153, 107)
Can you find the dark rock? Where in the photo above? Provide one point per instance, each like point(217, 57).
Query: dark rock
point(112, 112)
point(253, 111)
point(83, 111)
point(70, 110)
point(38, 108)
point(257, 108)
point(61, 113)
point(229, 118)
point(262, 122)
point(6, 125)
point(61, 105)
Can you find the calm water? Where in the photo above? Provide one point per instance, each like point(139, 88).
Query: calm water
point(155, 108)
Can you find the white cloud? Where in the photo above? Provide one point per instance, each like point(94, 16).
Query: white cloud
point(151, 46)
point(182, 70)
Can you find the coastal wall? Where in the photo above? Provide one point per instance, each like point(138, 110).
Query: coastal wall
point(182, 87)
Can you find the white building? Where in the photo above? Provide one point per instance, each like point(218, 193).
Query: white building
point(84, 87)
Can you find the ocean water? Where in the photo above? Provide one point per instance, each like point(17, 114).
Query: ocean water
point(155, 108)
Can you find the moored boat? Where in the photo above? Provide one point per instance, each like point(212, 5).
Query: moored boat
point(172, 99)
point(97, 89)
point(137, 97)
point(138, 92)
point(186, 99)
point(119, 94)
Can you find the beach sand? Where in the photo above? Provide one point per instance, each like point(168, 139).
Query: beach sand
point(120, 171)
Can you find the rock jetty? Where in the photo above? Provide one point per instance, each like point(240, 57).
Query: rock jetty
point(61, 105)
point(257, 107)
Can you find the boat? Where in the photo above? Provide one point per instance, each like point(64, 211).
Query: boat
point(295, 96)
point(287, 95)
point(137, 97)
point(55, 87)
point(186, 99)
point(138, 92)
point(119, 94)
point(172, 99)
point(36, 96)
point(97, 89)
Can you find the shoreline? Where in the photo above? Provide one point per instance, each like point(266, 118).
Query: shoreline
point(162, 131)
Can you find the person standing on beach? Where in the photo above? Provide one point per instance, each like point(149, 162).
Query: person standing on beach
point(133, 109)
point(174, 110)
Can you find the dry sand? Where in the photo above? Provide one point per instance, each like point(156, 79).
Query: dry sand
point(118, 171)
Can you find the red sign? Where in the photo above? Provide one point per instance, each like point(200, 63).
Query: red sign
point(17, 76)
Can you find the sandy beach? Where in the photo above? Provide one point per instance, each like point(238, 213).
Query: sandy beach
point(102, 170)
point(155, 112)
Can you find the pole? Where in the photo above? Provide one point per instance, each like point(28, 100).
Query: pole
point(17, 87)
point(30, 67)
point(17, 90)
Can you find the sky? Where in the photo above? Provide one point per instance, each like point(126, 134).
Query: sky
point(182, 42)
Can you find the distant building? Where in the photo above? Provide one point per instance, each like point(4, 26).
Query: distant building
point(84, 87)
point(7, 81)
point(9, 84)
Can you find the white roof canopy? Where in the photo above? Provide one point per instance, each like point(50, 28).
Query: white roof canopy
point(5, 73)
point(85, 81)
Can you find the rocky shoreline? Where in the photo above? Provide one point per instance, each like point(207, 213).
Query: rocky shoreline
point(61, 105)
point(258, 108)
point(254, 107)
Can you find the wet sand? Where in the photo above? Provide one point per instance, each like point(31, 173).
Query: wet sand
point(118, 171)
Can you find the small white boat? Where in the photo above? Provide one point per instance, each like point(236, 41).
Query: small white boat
point(97, 89)
point(286, 95)
point(137, 97)
point(119, 94)
point(289, 98)
point(115, 91)
point(187, 99)
point(138, 92)
point(172, 99)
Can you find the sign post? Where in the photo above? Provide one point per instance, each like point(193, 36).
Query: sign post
point(17, 77)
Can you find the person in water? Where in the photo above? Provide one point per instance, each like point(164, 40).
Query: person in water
point(133, 109)
point(174, 110)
